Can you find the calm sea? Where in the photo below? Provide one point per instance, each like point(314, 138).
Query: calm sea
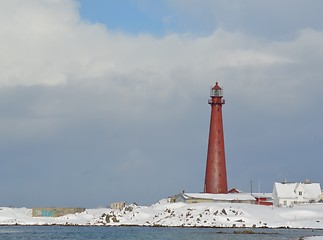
point(146, 233)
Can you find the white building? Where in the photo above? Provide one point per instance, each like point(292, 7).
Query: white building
point(289, 194)
point(208, 197)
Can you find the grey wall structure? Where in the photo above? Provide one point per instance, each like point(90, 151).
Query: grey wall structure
point(55, 212)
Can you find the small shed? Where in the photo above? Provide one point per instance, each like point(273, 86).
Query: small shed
point(118, 205)
point(263, 198)
point(289, 194)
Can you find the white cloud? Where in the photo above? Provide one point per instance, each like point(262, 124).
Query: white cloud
point(47, 43)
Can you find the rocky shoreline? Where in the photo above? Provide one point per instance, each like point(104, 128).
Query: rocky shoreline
point(164, 214)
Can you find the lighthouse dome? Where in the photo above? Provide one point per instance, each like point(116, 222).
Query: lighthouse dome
point(216, 87)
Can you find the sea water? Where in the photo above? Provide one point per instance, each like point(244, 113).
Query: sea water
point(148, 233)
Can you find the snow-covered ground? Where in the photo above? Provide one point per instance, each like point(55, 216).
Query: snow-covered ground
point(180, 214)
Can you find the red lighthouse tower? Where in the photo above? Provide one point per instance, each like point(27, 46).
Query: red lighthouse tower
point(216, 174)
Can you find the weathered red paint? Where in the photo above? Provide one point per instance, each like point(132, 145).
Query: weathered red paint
point(216, 174)
point(263, 201)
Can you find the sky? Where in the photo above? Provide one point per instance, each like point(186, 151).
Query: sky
point(106, 100)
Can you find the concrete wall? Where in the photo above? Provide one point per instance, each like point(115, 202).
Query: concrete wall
point(118, 205)
point(55, 212)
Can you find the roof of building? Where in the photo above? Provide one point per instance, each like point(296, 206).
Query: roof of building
point(254, 194)
point(262, 195)
point(234, 190)
point(226, 197)
point(290, 190)
point(216, 87)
